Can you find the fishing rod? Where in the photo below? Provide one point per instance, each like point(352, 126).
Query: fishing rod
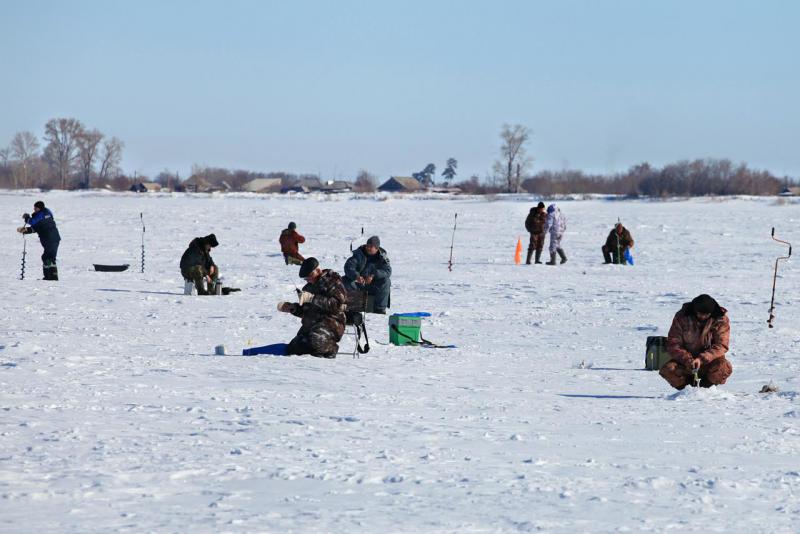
point(775, 276)
point(351, 241)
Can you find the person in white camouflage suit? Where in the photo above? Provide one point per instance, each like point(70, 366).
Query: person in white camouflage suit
point(556, 225)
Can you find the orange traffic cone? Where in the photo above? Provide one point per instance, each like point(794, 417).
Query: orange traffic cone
point(518, 253)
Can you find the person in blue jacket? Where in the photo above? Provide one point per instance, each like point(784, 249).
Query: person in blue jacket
point(368, 269)
point(43, 223)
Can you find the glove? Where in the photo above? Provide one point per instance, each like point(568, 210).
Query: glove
point(305, 297)
point(26, 217)
point(285, 307)
point(21, 229)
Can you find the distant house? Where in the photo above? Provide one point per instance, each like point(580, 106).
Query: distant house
point(263, 185)
point(304, 185)
point(790, 192)
point(196, 184)
point(400, 184)
point(146, 187)
point(336, 186)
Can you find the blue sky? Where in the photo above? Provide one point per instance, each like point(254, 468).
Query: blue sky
point(334, 87)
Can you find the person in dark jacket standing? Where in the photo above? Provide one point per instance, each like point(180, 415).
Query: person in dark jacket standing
point(43, 223)
point(697, 342)
point(534, 224)
point(289, 240)
point(618, 242)
point(368, 269)
point(198, 266)
point(321, 306)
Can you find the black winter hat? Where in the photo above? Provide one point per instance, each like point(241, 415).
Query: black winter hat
point(211, 239)
point(540, 205)
point(375, 241)
point(308, 266)
point(38, 204)
point(705, 304)
point(292, 226)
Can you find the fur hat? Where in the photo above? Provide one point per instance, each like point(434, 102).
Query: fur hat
point(308, 266)
point(705, 304)
point(211, 239)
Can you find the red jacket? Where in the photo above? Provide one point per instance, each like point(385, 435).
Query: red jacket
point(289, 240)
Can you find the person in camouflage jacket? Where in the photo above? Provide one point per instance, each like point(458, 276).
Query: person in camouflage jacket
point(321, 307)
point(619, 240)
point(534, 224)
point(698, 340)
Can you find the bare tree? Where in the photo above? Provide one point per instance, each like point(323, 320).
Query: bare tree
point(61, 150)
point(514, 160)
point(5, 156)
point(5, 168)
point(365, 182)
point(110, 158)
point(88, 146)
point(24, 149)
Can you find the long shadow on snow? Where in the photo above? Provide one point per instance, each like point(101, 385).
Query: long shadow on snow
point(615, 369)
point(149, 292)
point(576, 396)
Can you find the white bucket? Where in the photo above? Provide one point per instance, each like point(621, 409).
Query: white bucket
point(188, 288)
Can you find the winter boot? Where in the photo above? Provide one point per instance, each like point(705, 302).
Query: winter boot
point(561, 253)
point(50, 272)
point(528, 259)
point(552, 259)
point(538, 257)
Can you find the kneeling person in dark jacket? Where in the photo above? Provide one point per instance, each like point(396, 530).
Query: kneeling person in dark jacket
point(43, 223)
point(618, 242)
point(198, 266)
point(697, 342)
point(368, 269)
point(321, 307)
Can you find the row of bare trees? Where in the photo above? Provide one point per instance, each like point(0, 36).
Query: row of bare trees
point(73, 156)
point(700, 177)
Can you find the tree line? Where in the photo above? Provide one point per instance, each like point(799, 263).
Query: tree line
point(71, 156)
point(700, 177)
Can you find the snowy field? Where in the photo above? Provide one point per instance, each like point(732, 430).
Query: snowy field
point(116, 415)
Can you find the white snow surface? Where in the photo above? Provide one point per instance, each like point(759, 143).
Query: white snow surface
point(117, 415)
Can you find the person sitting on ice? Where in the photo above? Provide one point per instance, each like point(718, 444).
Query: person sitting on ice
point(290, 240)
point(618, 243)
point(368, 269)
point(697, 342)
point(321, 307)
point(198, 266)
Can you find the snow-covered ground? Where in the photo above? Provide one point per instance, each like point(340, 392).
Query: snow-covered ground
point(116, 415)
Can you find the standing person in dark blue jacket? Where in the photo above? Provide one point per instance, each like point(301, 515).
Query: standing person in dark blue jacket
point(43, 223)
point(368, 269)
